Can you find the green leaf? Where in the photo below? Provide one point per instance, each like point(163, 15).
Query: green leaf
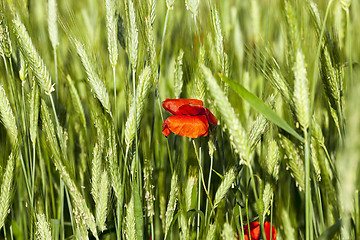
point(261, 107)
point(331, 231)
point(139, 224)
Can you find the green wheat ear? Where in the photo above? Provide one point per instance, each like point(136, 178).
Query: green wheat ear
point(301, 91)
point(34, 60)
point(34, 111)
point(211, 234)
point(5, 43)
point(141, 94)
point(130, 229)
point(171, 207)
point(102, 201)
point(133, 35)
point(111, 27)
point(83, 217)
point(225, 186)
point(6, 189)
point(237, 134)
point(7, 116)
point(52, 23)
point(96, 84)
point(228, 232)
point(178, 78)
point(43, 230)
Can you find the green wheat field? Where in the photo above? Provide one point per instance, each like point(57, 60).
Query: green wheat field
point(82, 154)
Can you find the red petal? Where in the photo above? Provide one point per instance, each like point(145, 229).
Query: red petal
point(254, 230)
point(172, 105)
point(165, 129)
point(187, 126)
point(191, 110)
point(211, 118)
point(267, 227)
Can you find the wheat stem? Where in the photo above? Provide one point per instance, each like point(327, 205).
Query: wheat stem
point(202, 174)
point(115, 108)
point(209, 181)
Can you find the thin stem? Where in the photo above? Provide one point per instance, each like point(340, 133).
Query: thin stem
point(58, 127)
point(152, 228)
point(348, 33)
point(202, 175)
point(241, 232)
point(209, 181)
point(252, 182)
point(315, 73)
point(266, 32)
point(122, 192)
point(115, 108)
point(33, 172)
point(56, 78)
point(308, 207)
point(163, 38)
point(199, 198)
point(62, 228)
point(26, 177)
point(357, 215)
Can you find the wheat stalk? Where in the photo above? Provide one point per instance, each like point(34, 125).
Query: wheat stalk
point(141, 94)
point(23, 71)
point(211, 232)
point(6, 190)
point(188, 191)
point(97, 85)
point(34, 60)
point(219, 41)
point(236, 132)
point(178, 74)
point(301, 91)
point(149, 188)
point(130, 228)
point(199, 76)
point(102, 201)
point(294, 162)
point(171, 207)
point(76, 101)
point(193, 7)
point(7, 116)
point(96, 169)
point(34, 112)
point(43, 230)
point(82, 213)
point(228, 232)
point(225, 185)
point(5, 43)
point(111, 27)
point(132, 33)
point(170, 4)
point(52, 23)
point(152, 10)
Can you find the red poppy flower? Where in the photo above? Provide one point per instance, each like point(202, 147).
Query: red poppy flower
point(190, 118)
point(255, 231)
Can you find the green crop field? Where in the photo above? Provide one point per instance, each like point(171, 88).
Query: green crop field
point(267, 147)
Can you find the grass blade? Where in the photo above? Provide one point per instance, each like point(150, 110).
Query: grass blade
point(261, 107)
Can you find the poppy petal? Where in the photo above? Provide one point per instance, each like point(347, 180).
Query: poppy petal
point(267, 228)
point(254, 230)
point(186, 126)
point(165, 129)
point(172, 105)
point(211, 118)
point(191, 110)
